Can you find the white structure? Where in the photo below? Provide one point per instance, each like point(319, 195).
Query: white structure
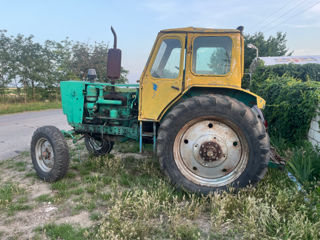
point(314, 131)
point(270, 61)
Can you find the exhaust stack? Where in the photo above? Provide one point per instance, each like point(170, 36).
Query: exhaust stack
point(114, 60)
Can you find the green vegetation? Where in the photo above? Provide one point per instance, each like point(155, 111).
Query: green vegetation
point(12, 198)
point(44, 198)
point(30, 106)
point(292, 93)
point(304, 164)
point(129, 147)
point(272, 46)
point(139, 203)
point(62, 231)
point(30, 71)
point(274, 208)
point(305, 72)
point(291, 104)
point(128, 198)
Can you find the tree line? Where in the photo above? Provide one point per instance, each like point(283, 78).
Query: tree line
point(35, 70)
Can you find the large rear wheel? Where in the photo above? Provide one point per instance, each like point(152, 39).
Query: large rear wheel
point(210, 142)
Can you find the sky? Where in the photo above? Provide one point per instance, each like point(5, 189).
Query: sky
point(138, 22)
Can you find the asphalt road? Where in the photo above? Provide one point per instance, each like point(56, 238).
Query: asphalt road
point(16, 129)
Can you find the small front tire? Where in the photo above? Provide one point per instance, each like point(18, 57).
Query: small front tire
point(49, 153)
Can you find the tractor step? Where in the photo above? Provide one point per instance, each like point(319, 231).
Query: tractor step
point(152, 135)
point(147, 134)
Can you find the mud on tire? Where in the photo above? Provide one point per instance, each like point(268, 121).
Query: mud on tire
point(210, 142)
point(49, 153)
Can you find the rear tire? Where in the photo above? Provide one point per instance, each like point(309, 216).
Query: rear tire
point(49, 153)
point(210, 142)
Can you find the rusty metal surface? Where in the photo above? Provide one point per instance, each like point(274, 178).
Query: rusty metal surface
point(44, 155)
point(211, 152)
point(114, 63)
point(114, 60)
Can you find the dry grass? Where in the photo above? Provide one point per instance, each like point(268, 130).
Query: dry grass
point(127, 197)
point(6, 108)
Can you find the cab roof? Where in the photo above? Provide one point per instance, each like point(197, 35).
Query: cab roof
point(200, 30)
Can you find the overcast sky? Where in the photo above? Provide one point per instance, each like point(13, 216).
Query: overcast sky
point(138, 22)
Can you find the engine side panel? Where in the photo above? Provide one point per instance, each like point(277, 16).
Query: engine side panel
point(72, 98)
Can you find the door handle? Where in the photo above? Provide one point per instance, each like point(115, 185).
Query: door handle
point(176, 88)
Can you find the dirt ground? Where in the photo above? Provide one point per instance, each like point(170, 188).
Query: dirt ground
point(34, 203)
point(21, 224)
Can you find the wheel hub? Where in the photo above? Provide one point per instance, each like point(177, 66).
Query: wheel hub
point(44, 155)
point(210, 151)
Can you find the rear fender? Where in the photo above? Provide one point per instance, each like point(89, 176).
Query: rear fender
point(248, 98)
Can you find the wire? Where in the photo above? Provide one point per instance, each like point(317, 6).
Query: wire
point(298, 13)
point(274, 13)
point(296, 6)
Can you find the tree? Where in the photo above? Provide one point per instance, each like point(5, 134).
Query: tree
point(273, 46)
point(4, 59)
point(85, 56)
point(219, 61)
point(40, 67)
point(28, 63)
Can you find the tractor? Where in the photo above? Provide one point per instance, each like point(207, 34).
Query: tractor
point(208, 133)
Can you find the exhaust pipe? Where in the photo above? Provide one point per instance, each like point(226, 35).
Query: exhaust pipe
point(114, 37)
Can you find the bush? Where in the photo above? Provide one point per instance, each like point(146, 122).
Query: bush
point(305, 72)
point(291, 105)
point(292, 95)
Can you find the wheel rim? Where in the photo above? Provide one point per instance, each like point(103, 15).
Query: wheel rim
point(44, 155)
point(210, 151)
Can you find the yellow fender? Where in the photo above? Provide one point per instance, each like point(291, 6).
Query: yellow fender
point(207, 89)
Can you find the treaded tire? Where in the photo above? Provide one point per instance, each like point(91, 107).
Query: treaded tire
point(60, 153)
point(214, 106)
point(104, 149)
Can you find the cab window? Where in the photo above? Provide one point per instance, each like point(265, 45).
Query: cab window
point(212, 55)
point(167, 61)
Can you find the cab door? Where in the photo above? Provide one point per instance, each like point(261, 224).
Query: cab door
point(162, 80)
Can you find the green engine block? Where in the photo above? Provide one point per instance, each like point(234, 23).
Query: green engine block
point(101, 108)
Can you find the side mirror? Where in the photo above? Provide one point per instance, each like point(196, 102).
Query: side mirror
point(114, 60)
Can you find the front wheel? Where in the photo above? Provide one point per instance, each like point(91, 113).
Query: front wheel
point(210, 142)
point(49, 153)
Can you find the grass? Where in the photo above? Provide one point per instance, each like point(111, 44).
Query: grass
point(128, 147)
point(13, 198)
point(6, 108)
point(129, 198)
point(44, 198)
point(7, 193)
point(136, 202)
point(62, 231)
